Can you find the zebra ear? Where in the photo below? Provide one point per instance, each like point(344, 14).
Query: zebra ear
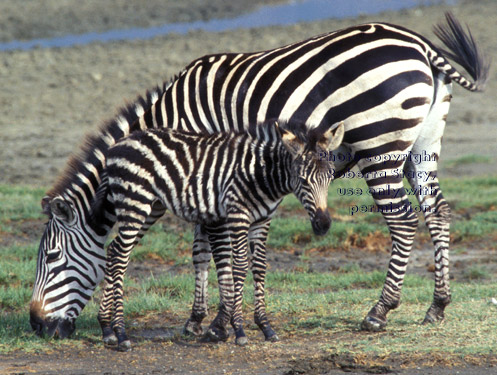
point(294, 145)
point(61, 209)
point(45, 205)
point(333, 137)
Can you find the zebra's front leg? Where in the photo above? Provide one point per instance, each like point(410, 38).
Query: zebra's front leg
point(257, 244)
point(402, 223)
point(106, 310)
point(201, 260)
point(220, 244)
point(106, 304)
point(118, 259)
point(118, 270)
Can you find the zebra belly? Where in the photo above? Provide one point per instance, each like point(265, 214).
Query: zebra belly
point(194, 206)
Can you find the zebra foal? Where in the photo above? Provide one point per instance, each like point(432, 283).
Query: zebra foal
point(226, 182)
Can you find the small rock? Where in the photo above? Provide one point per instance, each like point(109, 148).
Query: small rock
point(97, 77)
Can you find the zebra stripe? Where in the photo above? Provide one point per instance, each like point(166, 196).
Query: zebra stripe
point(389, 85)
point(227, 183)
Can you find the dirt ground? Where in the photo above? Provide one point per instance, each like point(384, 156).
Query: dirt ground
point(49, 98)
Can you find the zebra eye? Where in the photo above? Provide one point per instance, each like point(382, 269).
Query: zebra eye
point(52, 255)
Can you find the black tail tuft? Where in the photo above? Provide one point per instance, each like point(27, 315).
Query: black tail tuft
point(463, 49)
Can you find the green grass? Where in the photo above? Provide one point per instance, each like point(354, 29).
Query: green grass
point(302, 303)
point(467, 159)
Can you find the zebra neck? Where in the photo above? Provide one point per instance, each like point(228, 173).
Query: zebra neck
point(274, 162)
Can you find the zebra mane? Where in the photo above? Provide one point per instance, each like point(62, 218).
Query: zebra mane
point(267, 130)
point(87, 163)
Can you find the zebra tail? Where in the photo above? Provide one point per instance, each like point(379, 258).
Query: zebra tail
point(462, 49)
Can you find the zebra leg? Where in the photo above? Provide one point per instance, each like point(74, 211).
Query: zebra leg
point(257, 244)
point(437, 218)
point(424, 182)
point(438, 223)
point(391, 200)
point(239, 240)
point(220, 244)
point(129, 227)
point(201, 261)
point(105, 310)
point(119, 251)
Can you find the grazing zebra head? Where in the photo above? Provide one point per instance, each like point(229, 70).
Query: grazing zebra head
point(311, 174)
point(71, 256)
point(71, 262)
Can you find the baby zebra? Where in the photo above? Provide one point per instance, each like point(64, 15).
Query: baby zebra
point(226, 182)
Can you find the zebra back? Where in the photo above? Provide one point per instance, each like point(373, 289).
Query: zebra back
point(192, 174)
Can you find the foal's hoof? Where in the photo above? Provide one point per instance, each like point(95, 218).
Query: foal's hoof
point(193, 328)
point(432, 318)
point(273, 338)
point(110, 340)
point(124, 346)
point(215, 335)
point(270, 335)
point(372, 324)
point(241, 341)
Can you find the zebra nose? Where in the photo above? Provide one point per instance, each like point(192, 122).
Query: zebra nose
point(36, 321)
point(60, 328)
point(321, 222)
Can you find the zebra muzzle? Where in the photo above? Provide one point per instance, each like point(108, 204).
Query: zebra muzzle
point(60, 328)
point(321, 222)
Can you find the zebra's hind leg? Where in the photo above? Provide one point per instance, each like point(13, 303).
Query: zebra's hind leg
point(201, 261)
point(257, 244)
point(421, 170)
point(438, 223)
point(220, 244)
point(391, 199)
point(424, 182)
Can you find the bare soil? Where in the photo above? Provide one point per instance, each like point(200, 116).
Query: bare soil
point(49, 98)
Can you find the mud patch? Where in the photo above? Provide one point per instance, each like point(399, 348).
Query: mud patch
point(346, 363)
point(423, 363)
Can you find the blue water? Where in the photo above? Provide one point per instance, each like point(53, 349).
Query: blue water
point(271, 15)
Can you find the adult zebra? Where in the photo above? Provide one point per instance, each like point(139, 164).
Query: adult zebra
point(390, 86)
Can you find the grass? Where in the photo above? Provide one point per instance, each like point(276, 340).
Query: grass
point(302, 303)
point(467, 159)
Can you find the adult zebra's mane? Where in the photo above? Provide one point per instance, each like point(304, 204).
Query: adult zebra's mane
point(267, 130)
point(86, 164)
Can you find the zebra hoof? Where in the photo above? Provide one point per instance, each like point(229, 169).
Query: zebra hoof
point(124, 346)
point(270, 335)
point(273, 338)
point(240, 336)
point(435, 313)
point(110, 340)
point(373, 324)
point(215, 335)
point(432, 318)
point(241, 341)
point(193, 328)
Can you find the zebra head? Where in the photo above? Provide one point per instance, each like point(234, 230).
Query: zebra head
point(71, 262)
point(310, 174)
